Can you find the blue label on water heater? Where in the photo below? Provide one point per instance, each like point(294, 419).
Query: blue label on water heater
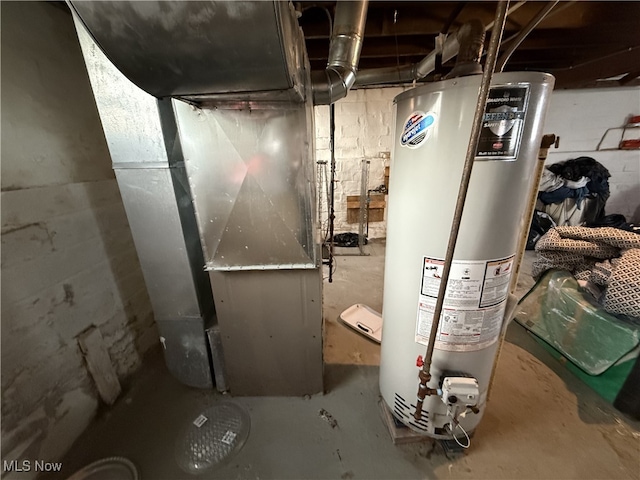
point(417, 129)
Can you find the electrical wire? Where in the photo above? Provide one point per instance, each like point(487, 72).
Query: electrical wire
point(395, 37)
point(457, 425)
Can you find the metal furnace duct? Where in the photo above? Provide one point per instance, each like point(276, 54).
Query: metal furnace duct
point(193, 48)
point(254, 183)
point(344, 53)
point(147, 160)
point(251, 168)
point(222, 181)
point(432, 126)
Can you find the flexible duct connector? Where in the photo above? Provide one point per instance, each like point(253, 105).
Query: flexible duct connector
point(471, 38)
point(344, 53)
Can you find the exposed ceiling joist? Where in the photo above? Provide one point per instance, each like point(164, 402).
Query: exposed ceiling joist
point(581, 36)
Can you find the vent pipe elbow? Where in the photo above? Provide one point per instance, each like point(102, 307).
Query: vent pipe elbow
point(471, 39)
point(344, 53)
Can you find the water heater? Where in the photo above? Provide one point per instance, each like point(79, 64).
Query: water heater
point(432, 130)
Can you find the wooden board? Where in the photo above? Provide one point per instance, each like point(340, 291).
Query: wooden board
point(402, 434)
point(377, 204)
point(377, 201)
point(375, 215)
point(99, 364)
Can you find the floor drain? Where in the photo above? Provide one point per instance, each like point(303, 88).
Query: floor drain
point(213, 437)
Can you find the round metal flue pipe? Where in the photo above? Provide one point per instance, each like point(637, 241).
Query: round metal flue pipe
point(344, 53)
point(471, 38)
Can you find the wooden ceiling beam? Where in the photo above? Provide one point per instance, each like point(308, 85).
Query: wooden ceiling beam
point(617, 63)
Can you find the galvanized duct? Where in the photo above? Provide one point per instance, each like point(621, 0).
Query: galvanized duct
point(198, 49)
point(178, 167)
point(344, 53)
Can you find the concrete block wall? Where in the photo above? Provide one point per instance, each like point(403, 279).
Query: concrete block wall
point(581, 118)
point(363, 131)
point(68, 258)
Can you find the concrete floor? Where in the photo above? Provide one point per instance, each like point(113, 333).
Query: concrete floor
point(541, 422)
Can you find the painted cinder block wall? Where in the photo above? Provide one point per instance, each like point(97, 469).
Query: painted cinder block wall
point(68, 258)
point(580, 117)
point(364, 131)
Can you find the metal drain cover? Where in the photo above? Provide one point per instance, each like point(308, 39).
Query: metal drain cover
point(213, 437)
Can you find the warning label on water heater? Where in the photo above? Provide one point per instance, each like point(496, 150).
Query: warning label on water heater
point(474, 303)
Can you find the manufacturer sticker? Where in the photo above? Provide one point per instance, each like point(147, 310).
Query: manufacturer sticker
point(417, 129)
point(503, 123)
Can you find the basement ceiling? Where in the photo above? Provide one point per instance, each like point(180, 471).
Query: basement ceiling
point(583, 43)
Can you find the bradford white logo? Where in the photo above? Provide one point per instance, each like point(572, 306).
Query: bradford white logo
point(417, 129)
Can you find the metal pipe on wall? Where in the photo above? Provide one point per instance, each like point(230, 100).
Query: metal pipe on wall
point(494, 45)
point(545, 144)
point(344, 53)
point(332, 213)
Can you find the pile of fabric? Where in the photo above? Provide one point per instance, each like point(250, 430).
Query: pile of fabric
point(575, 191)
point(605, 261)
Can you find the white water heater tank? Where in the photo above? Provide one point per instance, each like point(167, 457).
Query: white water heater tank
point(432, 131)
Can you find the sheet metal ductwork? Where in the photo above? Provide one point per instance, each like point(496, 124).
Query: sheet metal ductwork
point(194, 48)
point(207, 110)
point(344, 53)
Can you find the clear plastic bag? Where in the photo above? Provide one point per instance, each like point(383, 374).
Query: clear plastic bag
point(558, 311)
